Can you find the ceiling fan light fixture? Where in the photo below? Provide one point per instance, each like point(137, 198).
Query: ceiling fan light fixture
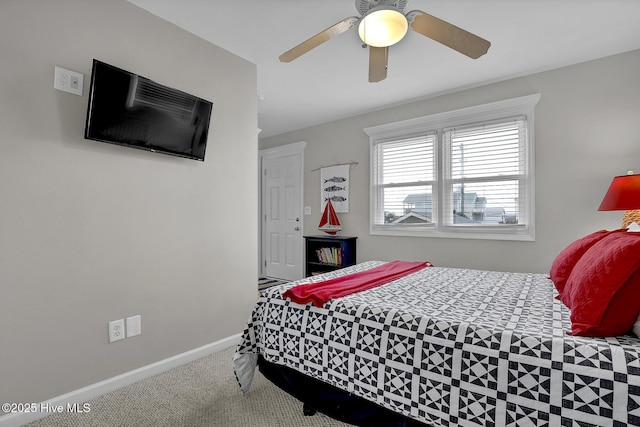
point(383, 26)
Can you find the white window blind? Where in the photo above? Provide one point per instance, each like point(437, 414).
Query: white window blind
point(486, 173)
point(406, 173)
point(464, 174)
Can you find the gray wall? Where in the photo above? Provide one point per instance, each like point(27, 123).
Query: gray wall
point(587, 129)
point(92, 232)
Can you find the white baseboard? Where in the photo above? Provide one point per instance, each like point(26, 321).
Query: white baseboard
point(92, 391)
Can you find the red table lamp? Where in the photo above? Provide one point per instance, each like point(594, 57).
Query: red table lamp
point(624, 195)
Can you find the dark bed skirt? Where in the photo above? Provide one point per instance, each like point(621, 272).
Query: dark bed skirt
point(338, 404)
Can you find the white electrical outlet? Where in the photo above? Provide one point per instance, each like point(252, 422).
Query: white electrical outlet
point(68, 81)
point(116, 330)
point(134, 326)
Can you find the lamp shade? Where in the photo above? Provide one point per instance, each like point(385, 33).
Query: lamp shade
point(623, 194)
point(382, 27)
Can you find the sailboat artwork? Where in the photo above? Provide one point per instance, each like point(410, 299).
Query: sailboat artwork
point(329, 223)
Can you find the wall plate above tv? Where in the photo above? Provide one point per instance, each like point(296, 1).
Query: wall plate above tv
point(133, 111)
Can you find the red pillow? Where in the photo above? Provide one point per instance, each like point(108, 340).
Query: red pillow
point(569, 256)
point(603, 290)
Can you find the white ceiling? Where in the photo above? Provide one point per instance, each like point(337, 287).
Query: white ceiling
point(331, 81)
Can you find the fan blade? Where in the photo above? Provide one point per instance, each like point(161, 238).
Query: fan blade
point(448, 34)
point(378, 61)
point(318, 39)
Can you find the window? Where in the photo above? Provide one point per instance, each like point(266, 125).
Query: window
point(466, 173)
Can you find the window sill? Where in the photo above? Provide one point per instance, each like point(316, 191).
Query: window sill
point(514, 233)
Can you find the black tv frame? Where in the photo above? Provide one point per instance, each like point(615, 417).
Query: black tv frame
point(137, 112)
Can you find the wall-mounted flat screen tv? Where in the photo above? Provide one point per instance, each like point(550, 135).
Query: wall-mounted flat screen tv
point(134, 111)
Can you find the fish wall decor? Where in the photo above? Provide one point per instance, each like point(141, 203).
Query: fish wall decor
point(334, 186)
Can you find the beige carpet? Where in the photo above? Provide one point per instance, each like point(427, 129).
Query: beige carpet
point(200, 393)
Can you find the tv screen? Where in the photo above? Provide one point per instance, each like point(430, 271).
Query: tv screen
point(133, 111)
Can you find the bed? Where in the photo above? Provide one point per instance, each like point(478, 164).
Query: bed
point(448, 347)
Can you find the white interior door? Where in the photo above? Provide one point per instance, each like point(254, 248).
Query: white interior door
point(282, 220)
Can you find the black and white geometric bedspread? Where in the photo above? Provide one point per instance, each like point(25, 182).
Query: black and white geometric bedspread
point(452, 347)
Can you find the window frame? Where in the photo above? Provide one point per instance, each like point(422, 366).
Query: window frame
point(521, 106)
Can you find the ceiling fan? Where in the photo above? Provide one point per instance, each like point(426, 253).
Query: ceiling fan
point(383, 23)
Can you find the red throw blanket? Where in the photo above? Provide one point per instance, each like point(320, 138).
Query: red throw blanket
point(321, 292)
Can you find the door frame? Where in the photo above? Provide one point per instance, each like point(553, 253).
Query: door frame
point(271, 153)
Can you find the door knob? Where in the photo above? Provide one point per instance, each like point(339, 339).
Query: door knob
point(297, 228)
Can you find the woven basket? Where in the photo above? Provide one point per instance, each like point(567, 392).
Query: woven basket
point(629, 217)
